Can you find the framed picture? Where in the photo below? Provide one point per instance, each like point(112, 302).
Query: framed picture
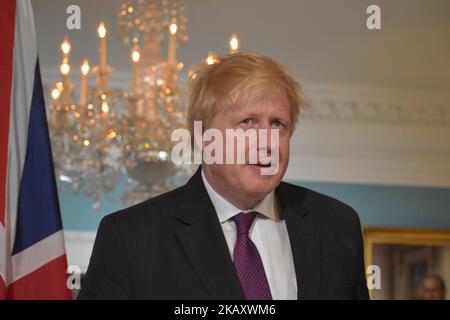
point(404, 257)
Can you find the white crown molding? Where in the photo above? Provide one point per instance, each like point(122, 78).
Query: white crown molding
point(377, 105)
point(361, 134)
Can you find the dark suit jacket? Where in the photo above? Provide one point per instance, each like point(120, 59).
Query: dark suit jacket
point(173, 247)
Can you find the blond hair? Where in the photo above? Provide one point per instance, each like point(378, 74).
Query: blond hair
point(223, 84)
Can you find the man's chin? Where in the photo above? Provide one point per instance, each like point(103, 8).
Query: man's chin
point(257, 183)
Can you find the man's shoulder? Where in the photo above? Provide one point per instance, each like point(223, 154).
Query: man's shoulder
point(318, 205)
point(156, 209)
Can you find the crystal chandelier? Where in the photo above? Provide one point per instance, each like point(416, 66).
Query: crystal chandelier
point(110, 134)
point(84, 148)
point(155, 101)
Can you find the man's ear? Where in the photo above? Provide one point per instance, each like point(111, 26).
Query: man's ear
point(198, 136)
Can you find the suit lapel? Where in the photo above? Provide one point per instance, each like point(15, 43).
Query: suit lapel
point(203, 241)
point(305, 243)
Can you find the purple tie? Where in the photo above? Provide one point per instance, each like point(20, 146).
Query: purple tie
point(247, 261)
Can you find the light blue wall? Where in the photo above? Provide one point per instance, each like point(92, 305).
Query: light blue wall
point(77, 211)
point(387, 206)
point(377, 205)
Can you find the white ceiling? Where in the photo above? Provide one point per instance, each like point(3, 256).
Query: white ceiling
point(320, 41)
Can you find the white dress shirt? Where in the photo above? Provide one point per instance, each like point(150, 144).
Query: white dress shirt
point(270, 236)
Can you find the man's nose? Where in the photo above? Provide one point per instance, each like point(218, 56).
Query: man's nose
point(264, 136)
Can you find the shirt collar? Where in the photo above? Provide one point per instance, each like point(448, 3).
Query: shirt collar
point(225, 210)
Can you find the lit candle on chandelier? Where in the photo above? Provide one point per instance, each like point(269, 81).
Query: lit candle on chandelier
point(135, 56)
point(172, 56)
point(65, 48)
point(84, 78)
point(102, 45)
point(234, 43)
point(211, 58)
point(65, 66)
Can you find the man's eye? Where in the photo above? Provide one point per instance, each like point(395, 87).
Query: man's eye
point(247, 121)
point(278, 124)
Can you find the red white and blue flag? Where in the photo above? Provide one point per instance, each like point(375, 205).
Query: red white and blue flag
point(33, 261)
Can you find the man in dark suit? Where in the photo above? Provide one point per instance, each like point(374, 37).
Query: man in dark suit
point(233, 232)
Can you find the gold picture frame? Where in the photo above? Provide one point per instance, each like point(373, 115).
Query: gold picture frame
point(401, 236)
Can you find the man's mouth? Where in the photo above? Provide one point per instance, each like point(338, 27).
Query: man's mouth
point(261, 165)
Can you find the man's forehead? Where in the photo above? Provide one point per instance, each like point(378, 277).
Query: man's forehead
point(263, 94)
point(254, 100)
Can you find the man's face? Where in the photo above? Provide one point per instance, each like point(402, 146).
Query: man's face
point(432, 289)
point(263, 108)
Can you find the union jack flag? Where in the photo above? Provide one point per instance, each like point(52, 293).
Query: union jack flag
point(33, 261)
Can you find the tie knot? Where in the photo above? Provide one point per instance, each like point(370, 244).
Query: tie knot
point(244, 221)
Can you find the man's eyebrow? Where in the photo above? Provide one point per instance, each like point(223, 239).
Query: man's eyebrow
point(252, 114)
